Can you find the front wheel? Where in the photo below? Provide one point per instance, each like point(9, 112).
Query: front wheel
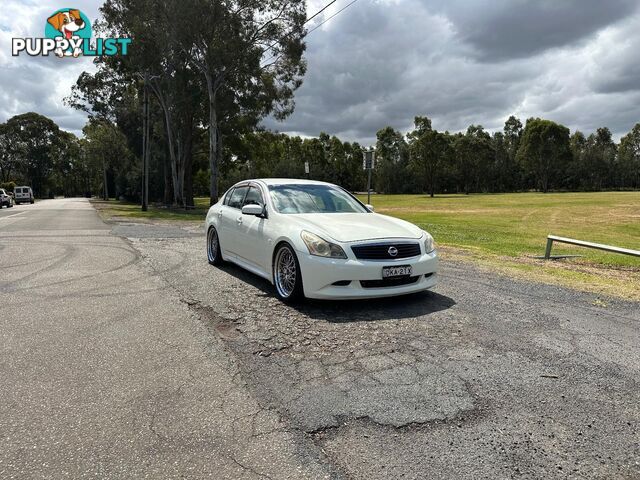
point(286, 275)
point(214, 255)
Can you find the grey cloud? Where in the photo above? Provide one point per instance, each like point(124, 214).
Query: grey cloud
point(618, 68)
point(504, 29)
point(381, 63)
point(38, 83)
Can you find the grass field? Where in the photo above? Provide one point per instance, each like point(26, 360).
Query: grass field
point(119, 210)
point(504, 232)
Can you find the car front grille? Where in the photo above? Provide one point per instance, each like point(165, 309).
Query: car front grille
point(380, 251)
point(389, 282)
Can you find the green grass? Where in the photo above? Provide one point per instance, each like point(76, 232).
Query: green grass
point(504, 231)
point(120, 210)
point(517, 224)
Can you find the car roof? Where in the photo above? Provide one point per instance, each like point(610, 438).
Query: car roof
point(289, 181)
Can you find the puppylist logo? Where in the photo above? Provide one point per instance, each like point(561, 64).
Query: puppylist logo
point(68, 34)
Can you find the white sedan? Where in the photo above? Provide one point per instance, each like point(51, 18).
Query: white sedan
point(316, 240)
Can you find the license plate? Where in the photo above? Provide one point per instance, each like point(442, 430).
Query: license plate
point(399, 271)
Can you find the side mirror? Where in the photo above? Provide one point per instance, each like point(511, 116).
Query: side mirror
point(369, 207)
point(252, 210)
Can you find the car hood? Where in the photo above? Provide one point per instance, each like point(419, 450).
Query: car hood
point(352, 227)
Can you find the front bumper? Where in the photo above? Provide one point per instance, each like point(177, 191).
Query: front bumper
point(319, 274)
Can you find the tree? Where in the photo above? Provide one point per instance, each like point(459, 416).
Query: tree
point(629, 155)
point(227, 43)
point(577, 170)
point(36, 135)
point(156, 64)
point(509, 173)
point(106, 150)
point(12, 151)
point(428, 151)
point(606, 152)
point(544, 151)
point(392, 162)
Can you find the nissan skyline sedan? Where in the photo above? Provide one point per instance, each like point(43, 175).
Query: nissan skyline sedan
point(316, 240)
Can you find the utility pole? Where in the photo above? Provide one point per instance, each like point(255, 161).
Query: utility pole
point(368, 163)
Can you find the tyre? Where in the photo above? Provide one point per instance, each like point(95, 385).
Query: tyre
point(287, 276)
point(214, 254)
point(32, 202)
point(10, 205)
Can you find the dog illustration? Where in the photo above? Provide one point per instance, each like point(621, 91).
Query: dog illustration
point(67, 23)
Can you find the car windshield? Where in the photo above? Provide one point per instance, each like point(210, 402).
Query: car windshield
point(309, 198)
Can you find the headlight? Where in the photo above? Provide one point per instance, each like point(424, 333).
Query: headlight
point(429, 244)
point(320, 247)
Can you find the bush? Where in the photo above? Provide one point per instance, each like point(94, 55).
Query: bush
point(8, 186)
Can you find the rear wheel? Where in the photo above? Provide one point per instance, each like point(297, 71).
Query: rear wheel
point(286, 275)
point(214, 255)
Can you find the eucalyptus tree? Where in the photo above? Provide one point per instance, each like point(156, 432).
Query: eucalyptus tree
point(392, 161)
point(629, 157)
point(544, 151)
point(12, 151)
point(156, 63)
point(36, 135)
point(250, 54)
point(428, 151)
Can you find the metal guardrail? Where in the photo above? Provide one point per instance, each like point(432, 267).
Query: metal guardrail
point(581, 243)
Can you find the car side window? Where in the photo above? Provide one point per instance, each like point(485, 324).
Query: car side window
point(254, 197)
point(227, 196)
point(237, 197)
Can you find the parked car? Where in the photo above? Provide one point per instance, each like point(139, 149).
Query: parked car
point(6, 200)
point(314, 239)
point(23, 195)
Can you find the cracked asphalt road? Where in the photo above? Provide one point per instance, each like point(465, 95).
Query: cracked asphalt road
point(485, 377)
point(106, 373)
point(137, 358)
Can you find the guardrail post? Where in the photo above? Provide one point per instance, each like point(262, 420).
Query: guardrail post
point(547, 254)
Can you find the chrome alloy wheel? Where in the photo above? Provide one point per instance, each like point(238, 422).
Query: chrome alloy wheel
point(212, 245)
point(286, 272)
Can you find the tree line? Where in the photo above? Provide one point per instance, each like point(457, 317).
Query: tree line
point(107, 160)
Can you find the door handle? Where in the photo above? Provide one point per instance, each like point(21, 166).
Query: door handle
point(220, 214)
point(239, 220)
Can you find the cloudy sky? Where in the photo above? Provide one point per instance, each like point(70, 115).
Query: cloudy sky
point(381, 62)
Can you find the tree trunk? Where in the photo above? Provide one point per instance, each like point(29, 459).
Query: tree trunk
point(188, 174)
point(145, 146)
point(105, 190)
point(168, 193)
point(172, 143)
point(213, 141)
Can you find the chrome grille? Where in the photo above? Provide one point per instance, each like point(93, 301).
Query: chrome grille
point(380, 251)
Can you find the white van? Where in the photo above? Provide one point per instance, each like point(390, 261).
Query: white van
point(23, 195)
